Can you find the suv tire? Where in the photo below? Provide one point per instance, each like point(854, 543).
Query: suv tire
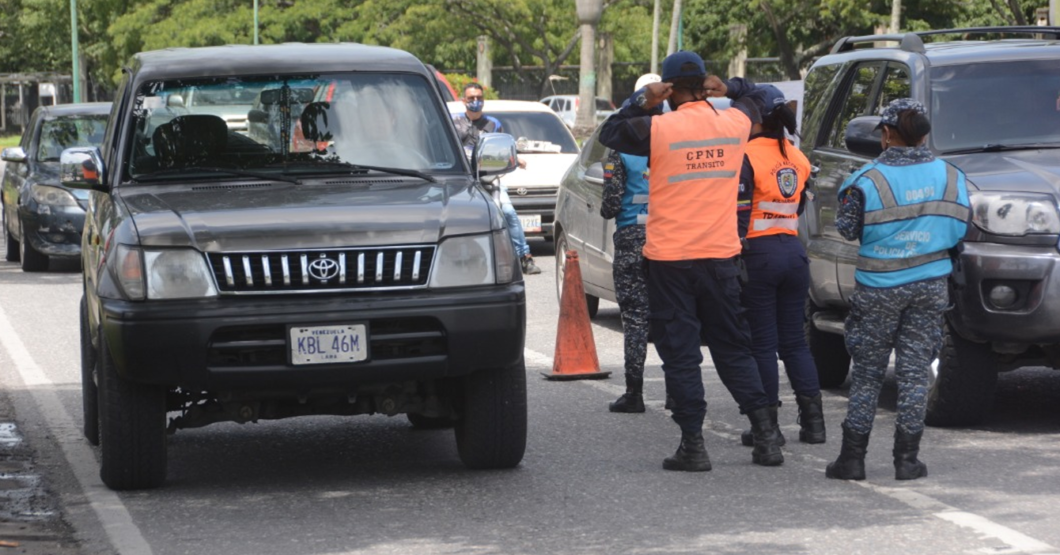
point(89, 391)
point(963, 392)
point(12, 245)
point(491, 432)
point(591, 303)
point(132, 429)
point(829, 351)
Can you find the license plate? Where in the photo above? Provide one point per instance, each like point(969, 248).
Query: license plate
point(530, 222)
point(328, 344)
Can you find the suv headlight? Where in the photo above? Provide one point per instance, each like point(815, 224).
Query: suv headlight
point(53, 196)
point(1014, 214)
point(164, 274)
point(465, 261)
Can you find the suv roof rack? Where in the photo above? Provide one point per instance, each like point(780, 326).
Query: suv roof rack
point(912, 42)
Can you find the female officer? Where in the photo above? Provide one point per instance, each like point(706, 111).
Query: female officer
point(909, 210)
point(772, 184)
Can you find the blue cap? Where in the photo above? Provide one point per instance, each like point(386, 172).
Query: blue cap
point(768, 98)
point(889, 114)
point(671, 66)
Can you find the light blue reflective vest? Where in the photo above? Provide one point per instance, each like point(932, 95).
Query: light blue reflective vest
point(635, 198)
point(913, 215)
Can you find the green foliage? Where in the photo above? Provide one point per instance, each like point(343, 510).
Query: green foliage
point(460, 80)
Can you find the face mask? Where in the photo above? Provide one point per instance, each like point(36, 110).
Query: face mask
point(475, 106)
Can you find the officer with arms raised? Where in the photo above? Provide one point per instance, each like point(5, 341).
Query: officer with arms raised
point(695, 154)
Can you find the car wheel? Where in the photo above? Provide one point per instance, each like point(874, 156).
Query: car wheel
point(421, 422)
point(591, 302)
point(491, 431)
point(32, 259)
point(89, 391)
point(963, 392)
point(132, 429)
point(828, 350)
point(12, 244)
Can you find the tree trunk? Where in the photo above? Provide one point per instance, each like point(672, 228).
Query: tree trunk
point(787, 55)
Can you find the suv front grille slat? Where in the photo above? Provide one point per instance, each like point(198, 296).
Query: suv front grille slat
point(322, 270)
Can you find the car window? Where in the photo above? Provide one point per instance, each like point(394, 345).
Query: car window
point(815, 99)
point(62, 132)
point(895, 85)
point(856, 102)
point(376, 119)
point(970, 110)
point(542, 127)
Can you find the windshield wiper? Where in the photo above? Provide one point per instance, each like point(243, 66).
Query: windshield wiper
point(228, 171)
point(352, 168)
point(998, 147)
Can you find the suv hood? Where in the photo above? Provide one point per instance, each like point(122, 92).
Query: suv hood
point(234, 217)
point(1036, 171)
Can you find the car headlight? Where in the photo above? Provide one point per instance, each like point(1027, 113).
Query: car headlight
point(54, 196)
point(1014, 214)
point(164, 274)
point(463, 261)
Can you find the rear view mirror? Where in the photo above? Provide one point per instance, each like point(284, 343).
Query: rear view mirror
point(82, 168)
point(495, 155)
point(863, 138)
point(175, 100)
point(13, 154)
point(258, 116)
point(595, 173)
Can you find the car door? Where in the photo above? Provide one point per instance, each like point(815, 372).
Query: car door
point(827, 249)
point(599, 249)
point(578, 211)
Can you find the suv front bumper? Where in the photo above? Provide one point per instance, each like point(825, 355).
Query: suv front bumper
point(1032, 271)
point(241, 343)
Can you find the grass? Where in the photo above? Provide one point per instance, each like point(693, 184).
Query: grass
point(9, 140)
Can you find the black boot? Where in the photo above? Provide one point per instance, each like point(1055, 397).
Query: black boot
point(851, 462)
point(691, 455)
point(670, 403)
point(748, 438)
point(906, 448)
point(633, 399)
point(766, 450)
point(811, 419)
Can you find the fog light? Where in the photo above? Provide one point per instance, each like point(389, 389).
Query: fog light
point(1003, 296)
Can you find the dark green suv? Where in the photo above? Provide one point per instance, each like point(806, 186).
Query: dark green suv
point(346, 262)
point(994, 106)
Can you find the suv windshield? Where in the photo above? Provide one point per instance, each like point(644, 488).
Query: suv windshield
point(296, 124)
point(64, 132)
point(995, 106)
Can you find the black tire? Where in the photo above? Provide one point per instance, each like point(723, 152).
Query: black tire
point(591, 303)
point(132, 429)
point(32, 259)
point(89, 391)
point(828, 350)
point(963, 392)
point(421, 422)
point(12, 245)
point(491, 432)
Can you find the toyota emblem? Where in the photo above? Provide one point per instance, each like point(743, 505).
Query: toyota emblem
point(521, 191)
point(323, 268)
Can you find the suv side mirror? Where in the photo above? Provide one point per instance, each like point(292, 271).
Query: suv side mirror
point(82, 168)
point(862, 137)
point(595, 173)
point(494, 156)
point(13, 154)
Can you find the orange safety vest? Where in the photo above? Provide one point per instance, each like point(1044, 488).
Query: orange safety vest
point(696, 155)
point(779, 183)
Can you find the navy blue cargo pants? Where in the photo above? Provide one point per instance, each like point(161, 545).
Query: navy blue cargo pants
point(699, 300)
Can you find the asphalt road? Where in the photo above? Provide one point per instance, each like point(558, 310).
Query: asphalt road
point(591, 481)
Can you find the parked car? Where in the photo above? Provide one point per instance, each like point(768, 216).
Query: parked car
point(566, 105)
point(227, 279)
point(547, 147)
point(579, 226)
point(994, 114)
point(42, 218)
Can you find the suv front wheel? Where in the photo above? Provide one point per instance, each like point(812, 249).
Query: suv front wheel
point(132, 430)
point(963, 392)
point(491, 432)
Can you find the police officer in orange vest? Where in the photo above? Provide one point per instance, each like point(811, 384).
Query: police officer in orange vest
point(695, 153)
point(772, 188)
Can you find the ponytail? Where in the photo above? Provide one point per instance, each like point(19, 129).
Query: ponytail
point(781, 119)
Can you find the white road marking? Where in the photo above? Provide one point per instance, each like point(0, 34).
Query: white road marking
point(1017, 541)
point(112, 513)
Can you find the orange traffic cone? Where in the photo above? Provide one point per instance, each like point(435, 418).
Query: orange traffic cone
point(575, 357)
